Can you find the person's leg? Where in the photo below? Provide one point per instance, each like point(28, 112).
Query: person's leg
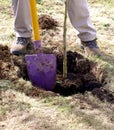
point(80, 19)
point(22, 25)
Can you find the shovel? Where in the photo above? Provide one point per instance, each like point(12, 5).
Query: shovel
point(41, 67)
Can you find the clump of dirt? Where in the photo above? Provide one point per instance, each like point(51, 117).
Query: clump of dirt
point(20, 67)
point(4, 53)
point(35, 92)
point(5, 62)
point(104, 94)
point(47, 22)
point(11, 67)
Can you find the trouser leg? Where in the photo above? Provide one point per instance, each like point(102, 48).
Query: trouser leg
point(80, 19)
point(22, 23)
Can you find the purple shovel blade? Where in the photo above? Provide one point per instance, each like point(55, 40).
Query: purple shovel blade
point(42, 70)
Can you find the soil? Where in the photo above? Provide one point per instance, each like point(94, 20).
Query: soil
point(5, 62)
point(47, 22)
point(104, 95)
point(81, 76)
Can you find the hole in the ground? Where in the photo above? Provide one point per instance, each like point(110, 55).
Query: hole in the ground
point(83, 74)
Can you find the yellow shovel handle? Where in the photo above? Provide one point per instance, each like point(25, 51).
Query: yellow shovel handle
point(35, 24)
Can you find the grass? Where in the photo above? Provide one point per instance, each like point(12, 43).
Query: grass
point(77, 112)
point(60, 108)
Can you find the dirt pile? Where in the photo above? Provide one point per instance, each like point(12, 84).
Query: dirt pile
point(11, 67)
point(47, 22)
point(5, 62)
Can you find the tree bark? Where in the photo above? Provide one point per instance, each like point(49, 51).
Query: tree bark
point(64, 42)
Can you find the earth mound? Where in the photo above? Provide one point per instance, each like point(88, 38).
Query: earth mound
point(47, 22)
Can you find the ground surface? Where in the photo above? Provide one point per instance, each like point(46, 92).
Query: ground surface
point(23, 107)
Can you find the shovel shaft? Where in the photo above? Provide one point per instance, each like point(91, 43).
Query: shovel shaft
point(35, 23)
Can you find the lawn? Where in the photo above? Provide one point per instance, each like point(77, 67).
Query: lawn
point(23, 107)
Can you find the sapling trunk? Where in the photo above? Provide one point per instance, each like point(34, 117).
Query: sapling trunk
point(64, 42)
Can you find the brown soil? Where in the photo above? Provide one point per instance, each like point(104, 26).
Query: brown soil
point(104, 94)
point(47, 22)
point(81, 76)
point(5, 62)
